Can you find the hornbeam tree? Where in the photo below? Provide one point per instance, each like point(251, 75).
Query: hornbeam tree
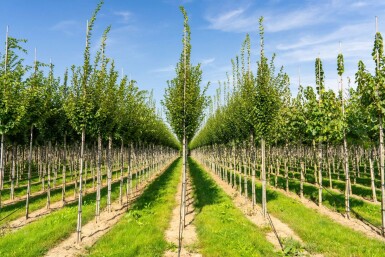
point(371, 89)
point(184, 104)
point(79, 108)
point(12, 105)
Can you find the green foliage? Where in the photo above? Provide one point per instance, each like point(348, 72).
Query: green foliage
point(183, 98)
point(253, 107)
point(12, 72)
point(340, 64)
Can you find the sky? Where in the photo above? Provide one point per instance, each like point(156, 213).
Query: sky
point(146, 35)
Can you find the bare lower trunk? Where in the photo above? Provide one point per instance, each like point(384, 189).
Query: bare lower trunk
point(109, 174)
point(13, 172)
point(183, 194)
point(98, 178)
point(63, 194)
point(372, 184)
point(29, 175)
point(382, 176)
point(121, 175)
point(80, 197)
point(263, 175)
point(1, 166)
point(302, 179)
point(319, 174)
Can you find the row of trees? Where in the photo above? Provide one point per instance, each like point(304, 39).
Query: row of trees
point(39, 109)
point(260, 107)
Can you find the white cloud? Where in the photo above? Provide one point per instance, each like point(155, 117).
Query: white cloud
point(242, 19)
point(124, 15)
point(205, 62)
point(67, 26)
point(166, 69)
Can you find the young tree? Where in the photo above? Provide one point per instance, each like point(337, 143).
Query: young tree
point(79, 108)
point(184, 104)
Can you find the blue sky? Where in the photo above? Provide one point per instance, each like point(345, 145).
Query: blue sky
point(145, 39)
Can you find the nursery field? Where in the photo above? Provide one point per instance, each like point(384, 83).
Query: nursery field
point(91, 165)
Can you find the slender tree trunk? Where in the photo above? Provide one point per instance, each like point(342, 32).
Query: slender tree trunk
point(253, 161)
point(382, 176)
point(63, 194)
point(1, 167)
point(183, 193)
point(319, 174)
point(372, 184)
point(49, 175)
point(263, 174)
point(13, 172)
point(80, 197)
point(302, 179)
point(121, 175)
point(109, 173)
point(29, 174)
point(98, 177)
point(129, 174)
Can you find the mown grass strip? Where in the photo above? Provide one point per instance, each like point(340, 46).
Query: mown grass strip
point(37, 238)
point(16, 209)
point(222, 229)
point(319, 233)
point(141, 231)
point(336, 201)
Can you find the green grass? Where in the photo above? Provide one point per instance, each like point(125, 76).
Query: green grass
point(333, 200)
point(319, 233)
point(336, 201)
point(38, 237)
point(222, 229)
point(16, 209)
point(141, 231)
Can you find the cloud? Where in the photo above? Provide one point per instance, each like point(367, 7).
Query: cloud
point(166, 69)
point(344, 34)
point(124, 15)
point(242, 19)
point(205, 62)
point(67, 26)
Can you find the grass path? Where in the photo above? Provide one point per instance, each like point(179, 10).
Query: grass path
point(222, 229)
point(141, 231)
point(319, 233)
point(36, 238)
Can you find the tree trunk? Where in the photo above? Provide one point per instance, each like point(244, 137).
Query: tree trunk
point(1, 166)
point(263, 175)
point(98, 178)
point(13, 172)
point(372, 184)
point(121, 174)
point(80, 198)
point(253, 161)
point(29, 175)
point(109, 173)
point(63, 194)
point(302, 179)
point(49, 175)
point(183, 196)
point(382, 176)
point(319, 174)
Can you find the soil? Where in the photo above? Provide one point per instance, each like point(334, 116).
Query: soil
point(189, 235)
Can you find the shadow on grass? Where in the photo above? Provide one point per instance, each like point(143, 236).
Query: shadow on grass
point(152, 192)
point(207, 192)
